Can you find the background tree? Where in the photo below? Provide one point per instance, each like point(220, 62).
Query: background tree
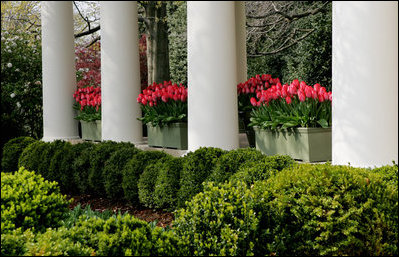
point(290, 39)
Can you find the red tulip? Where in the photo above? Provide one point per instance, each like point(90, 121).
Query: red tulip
point(253, 101)
point(288, 100)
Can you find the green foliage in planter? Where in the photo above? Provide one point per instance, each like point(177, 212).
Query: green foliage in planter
point(219, 221)
point(30, 157)
point(100, 154)
point(229, 163)
point(251, 172)
point(11, 152)
point(167, 184)
point(113, 171)
point(134, 168)
point(80, 165)
point(14, 242)
point(29, 201)
point(146, 184)
point(197, 166)
point(327, 210)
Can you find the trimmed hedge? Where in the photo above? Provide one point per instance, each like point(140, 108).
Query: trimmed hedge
point(219, 221)
point(100, 154)
point(250, 172)
point(29, 201)
point(167, 184)
point(80, 166)
point(197, 166)
point(230, 163)
point(113, 171)
point(30, 157)
point(11, 152)
point(116, 236)
point(133, 170)
point(327, 210)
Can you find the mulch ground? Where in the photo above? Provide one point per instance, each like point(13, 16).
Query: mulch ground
point(101, 204)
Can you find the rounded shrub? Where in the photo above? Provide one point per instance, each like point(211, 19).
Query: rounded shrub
point(146, 184)
point(14, 242)
point(49, 150)
point(55, 243)
point(197, 166)
point(100, 154)
point(327, 210)
point(61, 168)
point(113, 171)
point(230, 163)
point(134, 168)
point(389, 173)
point(250, 172)
point(218, 221)
point(80, 166)
point(30, 157)
point(11, 152)
point(167, 184)
point(29, 201)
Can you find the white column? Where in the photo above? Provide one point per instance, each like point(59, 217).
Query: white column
point(120, 72)
point(212, 78)
point(59, 79)
point(365, 83)
point(241, 41)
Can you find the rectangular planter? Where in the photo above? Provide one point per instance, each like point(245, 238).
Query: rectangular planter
point(91, 130)
point(306, 144)
point(173, 135)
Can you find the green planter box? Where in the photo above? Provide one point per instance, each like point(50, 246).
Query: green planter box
point(91, 130)
point(306, 144)
point(173, 135)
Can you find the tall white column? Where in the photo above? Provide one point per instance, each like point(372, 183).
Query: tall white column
point(59, 79)
point(212, 75)
point(365, 83)
point(241, 41)
point(120, 72)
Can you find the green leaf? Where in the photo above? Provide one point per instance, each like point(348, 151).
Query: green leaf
point(323, 123)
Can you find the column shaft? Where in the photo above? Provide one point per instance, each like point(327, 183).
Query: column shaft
point(120, 72)
point(59, 79)
point(212, 75)
point(365, 83)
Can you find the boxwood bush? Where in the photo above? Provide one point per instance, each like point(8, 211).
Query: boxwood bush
point(80, 166)
point(11, 152)
point(46, 156)
point(219, 221)
point(197, 166)
point(61, 168)
point(230, 163)
point(389, 173)
point(250, 172)
point(113, 171)
point(167, 184)
point(100, 154)
point(134, 168)
point(29, 201)
point(147, 180)
point(327, 210)
point(30, 157)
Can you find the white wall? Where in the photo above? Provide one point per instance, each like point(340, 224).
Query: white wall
point(365, 83)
